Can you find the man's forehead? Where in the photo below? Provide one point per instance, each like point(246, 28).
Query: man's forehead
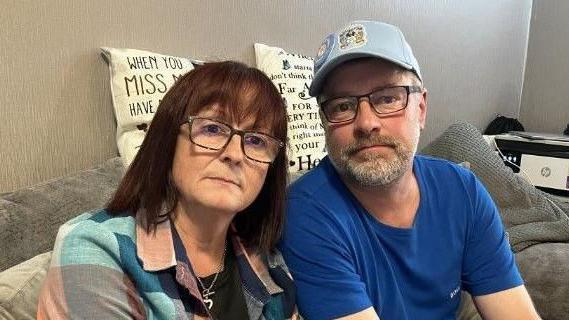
point(378, 67)
point(363, 74)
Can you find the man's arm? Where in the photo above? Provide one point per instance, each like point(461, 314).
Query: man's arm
point(514, 303)
point(489, 270)
point(367, 314)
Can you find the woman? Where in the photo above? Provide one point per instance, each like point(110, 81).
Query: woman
point(191, 229)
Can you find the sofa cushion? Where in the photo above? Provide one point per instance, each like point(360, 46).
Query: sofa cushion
point(30, 217)
point(292, 74)
point(467, 310)
point(139, 80)
point(545, 268)
point(20, 287)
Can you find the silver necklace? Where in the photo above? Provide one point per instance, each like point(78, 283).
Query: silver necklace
point(207, 293)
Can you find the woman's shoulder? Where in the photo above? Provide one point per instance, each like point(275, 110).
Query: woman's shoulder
point(93, 222)
point(276, 260)
point(95, 237)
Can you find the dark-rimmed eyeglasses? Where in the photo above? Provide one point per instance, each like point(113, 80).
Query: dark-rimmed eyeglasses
point(384, 100)
point(215, 135)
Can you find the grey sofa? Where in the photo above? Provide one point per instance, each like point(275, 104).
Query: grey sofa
point(30, 217)
point(29, 220)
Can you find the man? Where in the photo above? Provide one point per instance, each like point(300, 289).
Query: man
point(376, 231)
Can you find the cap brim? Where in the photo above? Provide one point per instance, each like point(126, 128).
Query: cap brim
point(318, 81)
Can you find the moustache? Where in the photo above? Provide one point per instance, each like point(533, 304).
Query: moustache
point(365, 142)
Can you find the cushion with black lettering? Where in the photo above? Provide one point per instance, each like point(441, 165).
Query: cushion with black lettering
point(292, 75)
point(139, 80)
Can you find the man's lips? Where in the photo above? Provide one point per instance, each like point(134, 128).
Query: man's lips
point(371, 147)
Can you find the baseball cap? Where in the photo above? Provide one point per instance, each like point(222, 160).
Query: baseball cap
point(358, 40)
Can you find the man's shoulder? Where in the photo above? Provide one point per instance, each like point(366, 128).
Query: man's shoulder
point(319, 180)
point(443, 178)
point(319, 198)
point(439, 162)
point(441, 167)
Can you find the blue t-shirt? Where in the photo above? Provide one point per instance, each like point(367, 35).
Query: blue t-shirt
point(344, 260)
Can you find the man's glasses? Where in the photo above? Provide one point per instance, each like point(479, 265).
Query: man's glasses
point(215, 135)
point(385, 100)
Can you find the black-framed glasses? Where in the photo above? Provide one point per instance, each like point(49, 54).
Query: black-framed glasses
point(384, 100)
point(215, 135)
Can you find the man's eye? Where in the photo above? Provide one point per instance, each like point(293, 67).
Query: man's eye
point(386, 100)
point(342, 107)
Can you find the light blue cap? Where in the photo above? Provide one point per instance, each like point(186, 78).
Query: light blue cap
point(358, 40)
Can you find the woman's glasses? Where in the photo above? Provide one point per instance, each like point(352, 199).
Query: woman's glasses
point(215, 135)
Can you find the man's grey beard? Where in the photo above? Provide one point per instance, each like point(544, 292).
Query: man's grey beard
point(373, 170)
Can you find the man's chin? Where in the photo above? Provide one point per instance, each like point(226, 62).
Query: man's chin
point(367, 165)
point(374, 172)
point(375, 152)
point(370, 158)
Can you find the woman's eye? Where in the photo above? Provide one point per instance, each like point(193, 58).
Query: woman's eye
point(255, 140)
point(211, 129)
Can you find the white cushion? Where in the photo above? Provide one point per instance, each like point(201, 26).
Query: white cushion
point(292, 74)
point(139, 80)
point(20, 287)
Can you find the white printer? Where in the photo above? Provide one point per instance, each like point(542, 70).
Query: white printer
point(544, 158)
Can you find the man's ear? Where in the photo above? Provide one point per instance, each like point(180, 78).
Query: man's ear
point(423, 109)
point(323, 119)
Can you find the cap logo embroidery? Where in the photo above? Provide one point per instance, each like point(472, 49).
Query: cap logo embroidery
point(323, 51)
point(352, 37)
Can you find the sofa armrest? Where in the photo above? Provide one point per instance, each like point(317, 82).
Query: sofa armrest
point(30, 217)
point(20, 287)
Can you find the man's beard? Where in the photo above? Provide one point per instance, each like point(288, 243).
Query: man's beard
point(371, 169)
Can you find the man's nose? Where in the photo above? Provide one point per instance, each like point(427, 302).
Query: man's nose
point(366, 119)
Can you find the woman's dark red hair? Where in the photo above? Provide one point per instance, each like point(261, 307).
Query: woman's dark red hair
point(240, 92)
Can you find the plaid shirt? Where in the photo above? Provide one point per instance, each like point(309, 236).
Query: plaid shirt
point(109, 267)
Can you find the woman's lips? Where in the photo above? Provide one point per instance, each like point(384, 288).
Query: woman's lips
point(225, 180)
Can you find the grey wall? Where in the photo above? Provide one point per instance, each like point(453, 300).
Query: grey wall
point(545, 107)
point(55, 103)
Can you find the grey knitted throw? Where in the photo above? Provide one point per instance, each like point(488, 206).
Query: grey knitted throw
point(529, 215)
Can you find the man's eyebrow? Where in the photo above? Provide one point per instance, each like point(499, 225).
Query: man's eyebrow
point(324, 97)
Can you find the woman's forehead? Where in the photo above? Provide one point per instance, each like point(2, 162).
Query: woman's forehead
point(242, 118)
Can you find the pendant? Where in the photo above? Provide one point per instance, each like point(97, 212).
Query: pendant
point(208, 303)
point(206, 299)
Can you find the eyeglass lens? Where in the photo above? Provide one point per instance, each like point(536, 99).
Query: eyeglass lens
point(386, 100)
point(215, 135)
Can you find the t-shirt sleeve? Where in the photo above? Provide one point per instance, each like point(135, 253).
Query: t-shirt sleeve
point(489, 263)
point(316, 249)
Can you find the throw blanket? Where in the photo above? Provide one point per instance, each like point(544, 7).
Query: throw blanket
point(530, 215)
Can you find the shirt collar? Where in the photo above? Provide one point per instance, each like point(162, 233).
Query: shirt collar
point(157, 252)
point(154, 249)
